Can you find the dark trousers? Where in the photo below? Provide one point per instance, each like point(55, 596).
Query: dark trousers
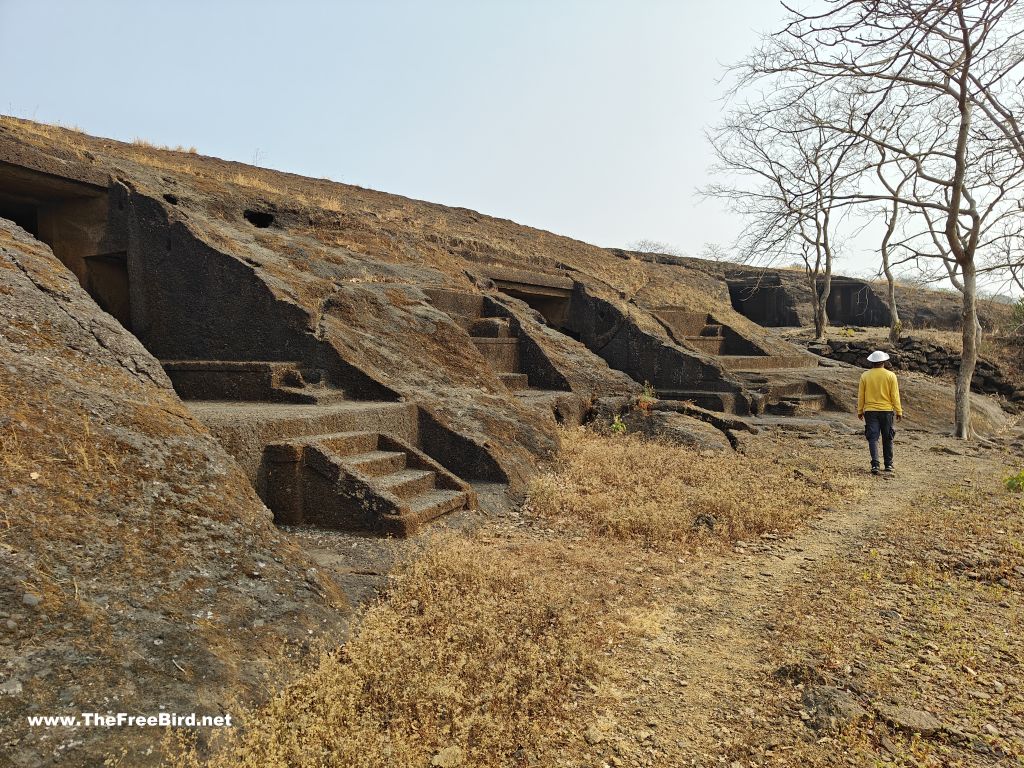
point(879, 424)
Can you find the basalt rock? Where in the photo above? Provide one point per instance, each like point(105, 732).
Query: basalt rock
point(131, 534)
point(832, 709)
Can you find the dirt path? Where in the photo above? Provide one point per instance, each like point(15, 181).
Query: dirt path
point(702, 673)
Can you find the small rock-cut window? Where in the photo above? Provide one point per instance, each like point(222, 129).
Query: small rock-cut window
point(260, 219)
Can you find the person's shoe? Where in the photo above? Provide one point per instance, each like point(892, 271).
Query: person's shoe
point(874, 470)
point(889, 469)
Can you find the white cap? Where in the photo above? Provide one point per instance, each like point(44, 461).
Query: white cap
point(878, 356)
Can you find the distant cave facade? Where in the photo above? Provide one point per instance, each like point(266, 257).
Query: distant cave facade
point(855, 302)
point(775, 299)
point(765, 300)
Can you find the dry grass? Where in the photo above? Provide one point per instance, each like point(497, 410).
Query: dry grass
point(316, 199)
point(144, 144)
point(251, 181)
point(475, 649)
point(929, 617)
point(660, 494)
point(951, 339)
point(503, 647)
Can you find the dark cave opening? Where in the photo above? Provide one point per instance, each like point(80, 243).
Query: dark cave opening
point(72, 218)
point(259, 219)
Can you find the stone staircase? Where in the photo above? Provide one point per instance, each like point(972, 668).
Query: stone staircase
point(496, 338)
point(250, 381)
point(497, 341)
point(359, 481)
point(710, 338)
point(738, 356)
point(315, 456)
point(701, 332)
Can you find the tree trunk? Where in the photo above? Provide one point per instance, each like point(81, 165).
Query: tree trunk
point(820, 320)
point(895, 324)
point(821, 305)
point(969, 357)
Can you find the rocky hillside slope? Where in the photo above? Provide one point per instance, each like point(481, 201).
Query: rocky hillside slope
point(139, 572)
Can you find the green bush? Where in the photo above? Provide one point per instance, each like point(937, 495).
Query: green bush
point(1015, 483)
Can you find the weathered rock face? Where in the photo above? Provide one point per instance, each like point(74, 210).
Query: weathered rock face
point(660, 423)
point(139, 568)
point(208, 261)
point(924, 356)
point(782, 298)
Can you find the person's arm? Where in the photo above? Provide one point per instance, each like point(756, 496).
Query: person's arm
point(860, 399)
point(897, 405)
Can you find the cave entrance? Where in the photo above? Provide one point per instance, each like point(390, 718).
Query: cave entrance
point(854, 302)
point(550, 295)
point(764, 300)
point(72, 218)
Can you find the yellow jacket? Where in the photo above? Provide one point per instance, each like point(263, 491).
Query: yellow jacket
point(879, 391)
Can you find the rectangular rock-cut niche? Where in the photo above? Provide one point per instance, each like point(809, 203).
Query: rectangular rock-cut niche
point(80, 224)
point(855, 303)
point(550, 295)
point(765, 301)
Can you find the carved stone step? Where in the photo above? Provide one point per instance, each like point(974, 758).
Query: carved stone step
point(515, 381)
point(432, 505)
point(501, 354)
point(359, 480)
point(376, 462)
point(408, 483)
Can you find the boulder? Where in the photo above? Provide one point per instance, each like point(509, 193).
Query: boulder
point(909, 720)
point(832, 709)
point(677, 429)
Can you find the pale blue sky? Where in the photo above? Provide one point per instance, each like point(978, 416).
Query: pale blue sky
point(584, 117)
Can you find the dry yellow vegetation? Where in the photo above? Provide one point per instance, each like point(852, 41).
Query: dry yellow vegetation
point(662, 494)
point(926, 615)
point(496, 648)
point(473, 651)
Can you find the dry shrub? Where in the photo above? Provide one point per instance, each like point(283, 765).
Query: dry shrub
point(472, 649)
point(628, 487)
point(253, 181)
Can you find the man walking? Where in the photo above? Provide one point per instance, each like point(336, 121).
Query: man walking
point(878, 403)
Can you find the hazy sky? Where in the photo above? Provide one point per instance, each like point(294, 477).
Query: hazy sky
point(583, 117)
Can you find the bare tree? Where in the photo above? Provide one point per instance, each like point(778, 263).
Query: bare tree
point(939, 81)
point(785, 182)
point(715, 252)
point(653, 247)
point(888, 246)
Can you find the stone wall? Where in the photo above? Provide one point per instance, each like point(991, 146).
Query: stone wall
point(929, 357)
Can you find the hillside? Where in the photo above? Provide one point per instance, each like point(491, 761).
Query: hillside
point(140, 568)
point(233, 398)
